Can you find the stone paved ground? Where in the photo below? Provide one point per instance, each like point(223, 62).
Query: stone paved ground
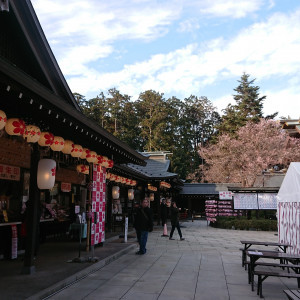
point(207, 265)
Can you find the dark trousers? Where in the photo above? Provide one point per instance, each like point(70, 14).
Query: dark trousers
point(178, 229)
point(142, 237)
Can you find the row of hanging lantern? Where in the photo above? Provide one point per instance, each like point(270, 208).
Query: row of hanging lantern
point(47, 167)
point(120, 179)
point(33, 134)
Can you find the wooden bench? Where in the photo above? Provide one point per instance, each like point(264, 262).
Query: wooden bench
point(244, 256)
point(262, 275)
point(266, 264)
point(292, 294)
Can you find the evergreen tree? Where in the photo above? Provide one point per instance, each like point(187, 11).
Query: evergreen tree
point(151, 112)
point(248, 107)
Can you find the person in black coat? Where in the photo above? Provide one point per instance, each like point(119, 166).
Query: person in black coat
point(175, 221)
point(143, 224)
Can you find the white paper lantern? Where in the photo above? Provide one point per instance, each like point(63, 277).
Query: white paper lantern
point(151, 196)
point(32, 134)
point(68, 147)
point(115, 192)
point(46, 174)
point(130, 194)
point(46, 139)
point(76, 151)
point(3, 119)
point(91, 157)
point(15, 126)
point(58, 143)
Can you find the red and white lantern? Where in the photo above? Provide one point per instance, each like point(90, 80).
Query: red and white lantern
point(123, 180)
point(112, 177)
point(46, 174)
point(32, 134)
point(91, 157)
point(128, 181)
point(58, 143)
point(100, 160)
point(108, 176)
point(110, 164)
point(118, 179)
point(3, 119)
point(46, 139)
point(76, 151)
point(104, 161)
point(15, 126)
point(83, 169)
point(85, 152)
point(68, 147)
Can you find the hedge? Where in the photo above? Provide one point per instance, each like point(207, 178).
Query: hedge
point(245, 224)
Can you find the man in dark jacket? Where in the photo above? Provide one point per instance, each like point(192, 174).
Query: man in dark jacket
point(175, 221)
point(143, 223)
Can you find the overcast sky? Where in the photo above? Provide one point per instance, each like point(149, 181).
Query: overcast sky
point(178, 47)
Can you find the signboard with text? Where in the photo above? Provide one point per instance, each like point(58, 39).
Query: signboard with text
point(9, 172)
point(65, 187)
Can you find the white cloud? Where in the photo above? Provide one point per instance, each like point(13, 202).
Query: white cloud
point(83, 32)
point(286, 102)
point(231, 8)
point(189, 25)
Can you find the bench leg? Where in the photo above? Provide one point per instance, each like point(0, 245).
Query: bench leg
point(243, 258)
point(249, 276)
point(258, 284)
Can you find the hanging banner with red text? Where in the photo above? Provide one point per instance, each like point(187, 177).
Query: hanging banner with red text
point(98, 205)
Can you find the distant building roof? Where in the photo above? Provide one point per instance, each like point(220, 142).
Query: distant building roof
point(291, 126)
point(154, 169)
point(204, 188)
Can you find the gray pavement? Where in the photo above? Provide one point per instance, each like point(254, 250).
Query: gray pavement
point(207, 265)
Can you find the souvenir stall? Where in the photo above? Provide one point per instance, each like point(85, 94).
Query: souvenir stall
point(48, 149)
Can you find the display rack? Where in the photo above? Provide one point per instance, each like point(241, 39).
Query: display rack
point(222, 208)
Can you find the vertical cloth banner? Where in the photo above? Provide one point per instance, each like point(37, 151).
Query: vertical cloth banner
point(14, 242)
point(98, 205)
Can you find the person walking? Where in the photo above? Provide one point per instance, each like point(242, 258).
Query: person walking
point(175, 221)
point(143, 224)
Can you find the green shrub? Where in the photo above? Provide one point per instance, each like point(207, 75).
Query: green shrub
point(243, 223)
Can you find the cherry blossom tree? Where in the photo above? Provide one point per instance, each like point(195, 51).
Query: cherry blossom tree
point(255, 148)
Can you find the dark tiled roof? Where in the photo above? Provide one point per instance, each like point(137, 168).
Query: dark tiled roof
point(154, 169)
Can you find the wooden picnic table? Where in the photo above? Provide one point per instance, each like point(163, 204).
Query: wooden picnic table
point(248, 244)
point(282, 256)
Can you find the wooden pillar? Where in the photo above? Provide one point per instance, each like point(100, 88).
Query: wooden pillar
point(32, 214)
point(157, 197)
point(89, 207)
